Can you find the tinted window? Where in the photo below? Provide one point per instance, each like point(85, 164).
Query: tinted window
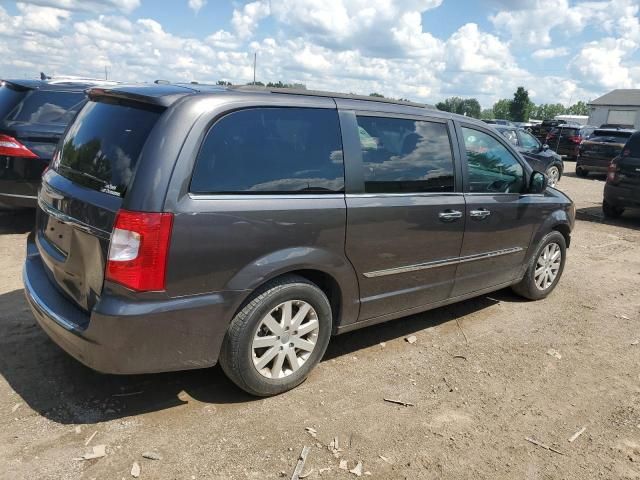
point(609, 136)
point(102, 146)
point(405, 156)
point(492, 168)
point(528, 141)
point(9, 97)
point(47, 107)
point(272, 150)
point(511, 136)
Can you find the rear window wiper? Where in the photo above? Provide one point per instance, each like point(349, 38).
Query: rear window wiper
point(83, 174)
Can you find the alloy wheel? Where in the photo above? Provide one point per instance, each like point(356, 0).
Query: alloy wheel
point(285, 339)
point(547, 266)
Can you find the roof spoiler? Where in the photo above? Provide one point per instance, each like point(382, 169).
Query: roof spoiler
point(96, 93)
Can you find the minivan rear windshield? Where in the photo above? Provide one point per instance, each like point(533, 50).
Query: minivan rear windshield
point(101, 148)
point(46, 107)
point(9, 97)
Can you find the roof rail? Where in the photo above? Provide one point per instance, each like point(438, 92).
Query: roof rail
point(321, 93)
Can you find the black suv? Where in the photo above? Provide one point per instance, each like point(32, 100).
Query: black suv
point(180, 226)
point(541, 130)
point(539, 156)
point(566, 139)
point(622, 189)
point(596, 152)
point(33, 116)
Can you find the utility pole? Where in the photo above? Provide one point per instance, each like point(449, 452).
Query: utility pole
point(254, 67)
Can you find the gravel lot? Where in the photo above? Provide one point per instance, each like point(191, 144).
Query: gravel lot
point(542, 370)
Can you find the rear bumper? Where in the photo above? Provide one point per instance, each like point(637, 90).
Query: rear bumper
point(19, 181)
point(593, 164)
point(123, 336)
point(622, 196)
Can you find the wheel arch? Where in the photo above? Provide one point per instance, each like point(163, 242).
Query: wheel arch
point(331, 273)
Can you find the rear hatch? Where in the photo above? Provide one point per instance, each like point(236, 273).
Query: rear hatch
point(39, 118)
point(604, 144)
point(629, 164)
point(83, 190)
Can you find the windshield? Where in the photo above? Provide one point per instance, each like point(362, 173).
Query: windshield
point(101, 149)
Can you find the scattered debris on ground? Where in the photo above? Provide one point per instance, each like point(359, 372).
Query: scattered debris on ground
point(540, 444)
point(301, 461)
point(357, 470)
point(400, 402)
point(577, 434)
point(86, 444)
point(135, 470)
point(97, 451)
point(554, 353)
point(411, 339)
point(152, 456)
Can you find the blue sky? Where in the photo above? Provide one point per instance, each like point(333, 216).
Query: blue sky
point(424, 50)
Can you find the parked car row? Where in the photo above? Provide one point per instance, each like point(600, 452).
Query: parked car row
point(179, 226)
point(33, 116)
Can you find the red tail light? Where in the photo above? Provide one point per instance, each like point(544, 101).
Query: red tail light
point(612, 172)
point(138, 250)
point(575, 139)
point(11, 147)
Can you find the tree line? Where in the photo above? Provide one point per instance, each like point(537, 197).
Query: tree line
point(518, 109)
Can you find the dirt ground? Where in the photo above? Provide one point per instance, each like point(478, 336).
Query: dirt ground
point(542, 370)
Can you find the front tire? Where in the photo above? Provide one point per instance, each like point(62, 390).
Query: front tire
point(545, 268)
point(278, 337)
point(553, 174)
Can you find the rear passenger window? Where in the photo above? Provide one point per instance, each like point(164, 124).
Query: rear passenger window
point(271, 150)
point(405, 156)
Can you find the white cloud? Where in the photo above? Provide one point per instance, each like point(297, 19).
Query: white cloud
point(196, 5)
point(126, 6)
point(548, 53)
point(355, 46)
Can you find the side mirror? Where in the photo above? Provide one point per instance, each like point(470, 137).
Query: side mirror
point(538, 182)
point(545, 147)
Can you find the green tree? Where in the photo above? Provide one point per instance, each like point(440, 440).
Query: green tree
point(548, 111)
point(486, 113)
point(579, 108)
point(468, 106)
point(519, 108)
point(374, 94)
point(502, 109)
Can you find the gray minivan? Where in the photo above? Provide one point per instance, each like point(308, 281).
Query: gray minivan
point(181, 226)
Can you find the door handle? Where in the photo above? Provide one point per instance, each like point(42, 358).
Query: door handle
point(449, 215)
point(480, 214)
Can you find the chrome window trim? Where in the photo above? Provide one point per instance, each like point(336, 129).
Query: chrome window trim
point(265, 196)
point(443, 263)
point(421, 194)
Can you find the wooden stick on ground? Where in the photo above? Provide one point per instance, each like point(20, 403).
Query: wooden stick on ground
point(399, 402)
point(463, 334)
point(540, 444)
point(577, 434)
point(300, 465)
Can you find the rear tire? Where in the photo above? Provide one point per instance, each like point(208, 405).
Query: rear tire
point(581, 172)
point(544, 269)
point(260, 351)
point(611, 211)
